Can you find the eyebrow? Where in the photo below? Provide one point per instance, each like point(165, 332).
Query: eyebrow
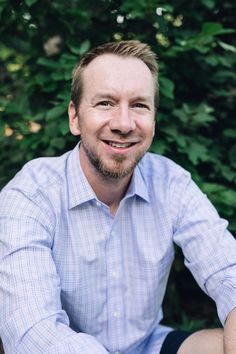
point(105, 95)
point(143, 98)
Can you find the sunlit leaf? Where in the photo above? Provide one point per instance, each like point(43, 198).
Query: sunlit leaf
point(227, 46)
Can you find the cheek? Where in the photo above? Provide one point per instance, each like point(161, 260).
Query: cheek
point(148, 129)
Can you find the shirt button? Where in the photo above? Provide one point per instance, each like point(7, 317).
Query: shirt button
point(117, 353)
point(97, 203)
point(114, 275)
point(113, 233)
point(116, 314)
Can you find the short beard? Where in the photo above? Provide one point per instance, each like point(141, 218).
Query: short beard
point(104, 171)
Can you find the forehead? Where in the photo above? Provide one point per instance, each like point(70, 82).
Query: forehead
point(113, 72)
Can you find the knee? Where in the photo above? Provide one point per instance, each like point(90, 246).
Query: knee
point(209, 341)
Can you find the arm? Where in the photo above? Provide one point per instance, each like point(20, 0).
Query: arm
point(230, 333)
point(32, 319)
point(208, 247)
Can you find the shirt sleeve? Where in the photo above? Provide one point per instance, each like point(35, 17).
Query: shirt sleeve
point(32, 319)
point(208, 247)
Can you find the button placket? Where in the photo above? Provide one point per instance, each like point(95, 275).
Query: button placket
point(114, 296)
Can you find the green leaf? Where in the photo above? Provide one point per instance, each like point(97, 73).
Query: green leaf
point(64, 127)
point(50, 132)
point(232, 155)
point(229, 133)
point(30, 2)
point(170, 130)
point(41, 78)
point(84, 47)
point(203, 49)
point(228, 173)
point(74, 49)
point(227, 46)
point(232, 225)
point(55, 112)
point(59, 143)
point(203, 118)
point(58, 75)
point(212, 60)
point(220, 193)
point(181, 114)
point(197, 152)
point(208, 3)
point(211, 28)
point(181, 141)
point(2, 128)
point(159, 147)
point(167, 87)
point(47, 62)
point(223, 75)
point(50, 87)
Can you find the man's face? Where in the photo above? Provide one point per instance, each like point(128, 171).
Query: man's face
point(115, 117)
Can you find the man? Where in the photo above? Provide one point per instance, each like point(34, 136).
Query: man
point(87, 238)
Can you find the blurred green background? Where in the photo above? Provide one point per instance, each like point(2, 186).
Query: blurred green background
point(40, 42)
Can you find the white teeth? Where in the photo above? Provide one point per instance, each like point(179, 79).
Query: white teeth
point(118, 145)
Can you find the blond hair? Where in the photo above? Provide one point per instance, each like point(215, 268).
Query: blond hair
point(129, 48)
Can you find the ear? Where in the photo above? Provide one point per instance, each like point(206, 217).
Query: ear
point(73, 119)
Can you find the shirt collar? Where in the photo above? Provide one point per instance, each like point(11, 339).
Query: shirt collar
point(80, 191)
point(138, 185)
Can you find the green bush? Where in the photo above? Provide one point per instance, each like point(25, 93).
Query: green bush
point(195, 42)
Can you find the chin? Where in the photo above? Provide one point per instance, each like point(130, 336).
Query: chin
point(116, 172)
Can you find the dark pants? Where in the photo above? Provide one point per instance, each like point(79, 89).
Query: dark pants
point(1, 348)
point(173, 341)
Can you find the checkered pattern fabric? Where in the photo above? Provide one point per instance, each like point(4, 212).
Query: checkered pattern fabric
point(75, 279)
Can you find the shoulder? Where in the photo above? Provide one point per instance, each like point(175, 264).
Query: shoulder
point(36, 190)
point(164, 179)
point(41, 173)
point(157, 167)
point(169, 185)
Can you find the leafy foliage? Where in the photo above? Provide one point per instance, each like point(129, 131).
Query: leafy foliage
point(195, 43)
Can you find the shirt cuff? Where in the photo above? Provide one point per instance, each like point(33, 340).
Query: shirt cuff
point(225, 298)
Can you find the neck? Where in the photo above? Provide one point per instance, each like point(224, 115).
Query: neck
point(108, 190)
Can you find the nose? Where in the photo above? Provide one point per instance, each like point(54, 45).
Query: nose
point(122, 120)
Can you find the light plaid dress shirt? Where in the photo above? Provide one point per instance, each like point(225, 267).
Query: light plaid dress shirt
point(75, 279)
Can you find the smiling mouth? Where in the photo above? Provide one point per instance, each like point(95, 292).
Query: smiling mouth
point(118, 145)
